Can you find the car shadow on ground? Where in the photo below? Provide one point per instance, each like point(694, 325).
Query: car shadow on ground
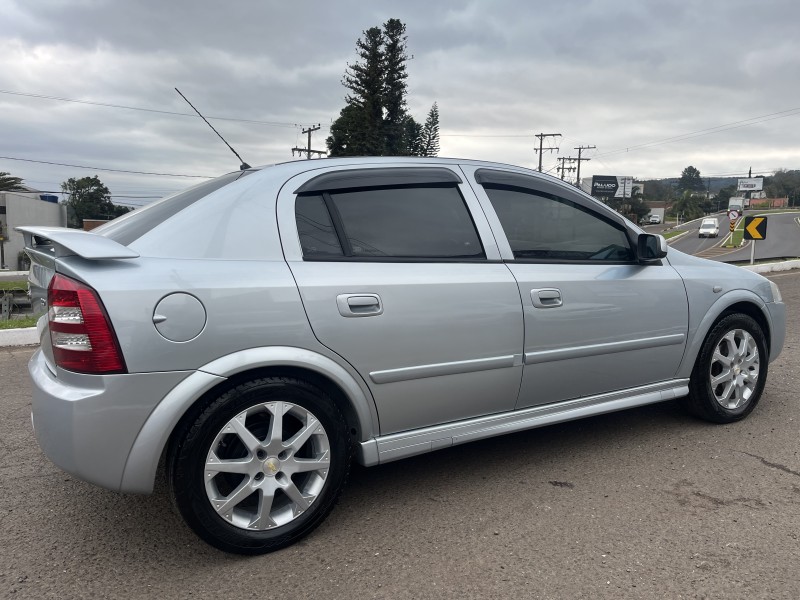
point(147, 528)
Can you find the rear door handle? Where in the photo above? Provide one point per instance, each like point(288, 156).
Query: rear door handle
point(546, 298)
point(359, 305)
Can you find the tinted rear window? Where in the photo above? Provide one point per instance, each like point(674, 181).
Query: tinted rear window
point(134, 225)
point(407, 222)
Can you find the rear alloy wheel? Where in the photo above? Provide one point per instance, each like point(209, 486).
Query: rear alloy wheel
point(730, 372)
point(261, 466)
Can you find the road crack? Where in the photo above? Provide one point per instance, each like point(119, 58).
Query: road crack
point(773, 465)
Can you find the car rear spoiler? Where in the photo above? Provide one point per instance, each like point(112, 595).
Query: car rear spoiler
point(72, 242)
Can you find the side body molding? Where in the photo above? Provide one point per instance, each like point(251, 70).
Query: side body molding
point(142, 464)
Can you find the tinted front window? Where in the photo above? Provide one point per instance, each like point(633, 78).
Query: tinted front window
point(546, 227)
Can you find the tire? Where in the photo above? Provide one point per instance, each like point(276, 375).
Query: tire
point(726, 386)
point(248, 487)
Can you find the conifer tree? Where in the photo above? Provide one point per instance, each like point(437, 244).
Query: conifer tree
point(9, 183)
point(429, 142)
point(394, 92)
point(375, 120)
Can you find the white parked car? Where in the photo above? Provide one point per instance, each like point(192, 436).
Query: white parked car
point(655, 219)
point(709, 228)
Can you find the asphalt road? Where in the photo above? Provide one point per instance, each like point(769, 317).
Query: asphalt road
point(647, 503)
point(783, 239)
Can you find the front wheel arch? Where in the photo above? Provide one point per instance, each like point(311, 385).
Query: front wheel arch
point(732, 365)
point(735, 301)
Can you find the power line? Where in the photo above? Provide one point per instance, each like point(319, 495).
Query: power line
point(701, 132)
point(47, 162)
point(150, 110)
point(487, 135)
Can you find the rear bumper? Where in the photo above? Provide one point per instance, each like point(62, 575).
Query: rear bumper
point(86, 424)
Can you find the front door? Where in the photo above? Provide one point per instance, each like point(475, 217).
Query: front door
point(596, 321)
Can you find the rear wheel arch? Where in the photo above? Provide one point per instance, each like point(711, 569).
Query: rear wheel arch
point(315, 378)
point(187, 400)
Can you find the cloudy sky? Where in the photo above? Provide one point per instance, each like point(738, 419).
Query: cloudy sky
point(654, 85)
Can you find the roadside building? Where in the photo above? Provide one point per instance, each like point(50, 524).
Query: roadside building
point(762, 203)
point(25, 207)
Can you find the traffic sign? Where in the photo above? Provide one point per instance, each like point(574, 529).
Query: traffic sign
point(733, 215)
point(733, 226)
point(755, 228)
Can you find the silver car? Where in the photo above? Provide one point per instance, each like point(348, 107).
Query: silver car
point(262, 330)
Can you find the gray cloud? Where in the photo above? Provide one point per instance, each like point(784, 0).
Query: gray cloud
point(608, 73)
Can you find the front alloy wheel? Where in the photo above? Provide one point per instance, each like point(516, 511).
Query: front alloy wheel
point(734, 369)
point(730, 371)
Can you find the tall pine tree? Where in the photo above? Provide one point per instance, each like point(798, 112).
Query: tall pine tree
point(359, 129)
point(429, 136)
point(375, 119)
point(394, 87)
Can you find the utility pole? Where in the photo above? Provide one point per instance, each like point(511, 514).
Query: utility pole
point(308, 149)
point(564, 161)
point(541, 137)
point(579, 159)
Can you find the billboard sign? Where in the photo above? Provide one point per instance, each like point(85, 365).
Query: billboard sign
point(611, 186)
point(753, 184)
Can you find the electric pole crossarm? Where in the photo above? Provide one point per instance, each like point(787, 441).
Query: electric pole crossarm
point(541, 149)
point(579, 159)
point(307, 150)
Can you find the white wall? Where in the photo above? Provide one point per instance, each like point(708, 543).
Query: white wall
point(26, 209)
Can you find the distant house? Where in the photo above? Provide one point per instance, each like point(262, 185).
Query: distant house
point(25, 207)
point(769, 202)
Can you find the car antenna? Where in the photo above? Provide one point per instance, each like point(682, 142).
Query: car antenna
point(244, 165)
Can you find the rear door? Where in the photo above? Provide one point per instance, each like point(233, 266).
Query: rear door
point(400, 275)
point(596, 321)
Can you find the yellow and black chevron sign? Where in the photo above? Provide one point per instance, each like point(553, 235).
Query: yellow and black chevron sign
point(755, 228)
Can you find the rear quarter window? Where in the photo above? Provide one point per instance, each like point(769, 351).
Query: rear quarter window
point(133, 225)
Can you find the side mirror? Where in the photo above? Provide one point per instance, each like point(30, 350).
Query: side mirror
point(650, 247)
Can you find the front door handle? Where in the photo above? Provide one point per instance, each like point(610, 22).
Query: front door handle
point(359, 305)
point(546, 298)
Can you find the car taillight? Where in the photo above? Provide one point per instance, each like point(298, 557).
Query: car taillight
point(80, 330)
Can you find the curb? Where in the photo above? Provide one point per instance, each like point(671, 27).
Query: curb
point(25, 336)
point(785, 265)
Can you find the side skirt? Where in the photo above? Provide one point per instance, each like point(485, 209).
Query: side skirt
point(387, 448)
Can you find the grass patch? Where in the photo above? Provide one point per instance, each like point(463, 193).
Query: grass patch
point(671, 234)
point(14, 285)
point(19, 323)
